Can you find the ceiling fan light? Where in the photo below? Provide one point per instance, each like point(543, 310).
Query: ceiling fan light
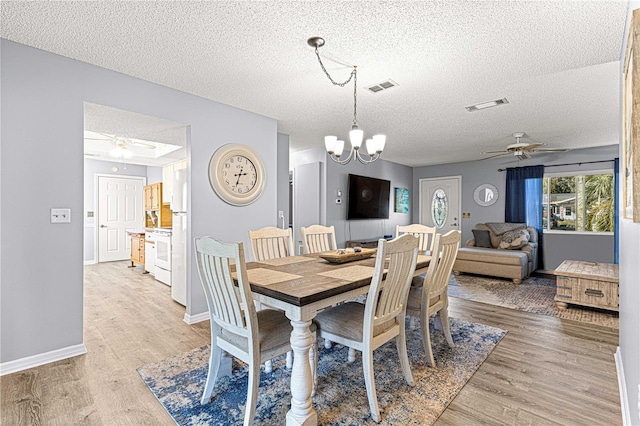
point(120, 152)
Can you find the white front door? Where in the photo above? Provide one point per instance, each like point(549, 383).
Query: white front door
point(120, 209)
point(440, 203)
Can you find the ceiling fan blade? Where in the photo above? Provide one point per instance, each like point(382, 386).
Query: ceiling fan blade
point(532, 146)
point(494, 156)
point(496, 152)
point(553, 150)
point(142, 144)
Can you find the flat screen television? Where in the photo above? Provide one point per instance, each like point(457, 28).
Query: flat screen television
point(368, 198)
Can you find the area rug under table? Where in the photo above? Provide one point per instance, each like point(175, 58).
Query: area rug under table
point(535, 294)
point(341, 397)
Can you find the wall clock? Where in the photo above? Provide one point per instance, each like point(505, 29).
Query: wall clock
point(485, 195)
point(236, 174)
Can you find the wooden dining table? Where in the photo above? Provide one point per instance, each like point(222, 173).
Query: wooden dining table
point(301, 286)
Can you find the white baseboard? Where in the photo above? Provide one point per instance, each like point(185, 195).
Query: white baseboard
point(192, 319)
point(90, 262)
point(622, 385)
point(41, 359)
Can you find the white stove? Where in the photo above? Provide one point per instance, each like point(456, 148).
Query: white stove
point(163, 255)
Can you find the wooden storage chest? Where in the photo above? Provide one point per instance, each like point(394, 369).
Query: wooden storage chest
point(587, 284)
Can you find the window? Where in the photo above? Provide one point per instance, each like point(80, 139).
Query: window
point(578, 202)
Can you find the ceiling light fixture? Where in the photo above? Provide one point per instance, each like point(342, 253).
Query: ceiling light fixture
point(485, 105)
point(120, 151)
point(333, 145)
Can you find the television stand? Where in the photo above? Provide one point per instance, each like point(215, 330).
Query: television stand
point(367, 243)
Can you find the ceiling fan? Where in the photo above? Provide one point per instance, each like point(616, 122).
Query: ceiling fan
point(523, 150)
point(121, 141)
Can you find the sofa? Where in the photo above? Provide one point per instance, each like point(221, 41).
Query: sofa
point(500, 249)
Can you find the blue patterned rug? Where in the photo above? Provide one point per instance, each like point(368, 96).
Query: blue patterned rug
point(341, 397)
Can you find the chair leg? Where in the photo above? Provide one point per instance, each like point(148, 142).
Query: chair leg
point(401, 345)
point(446, 325)
point(412, 323)
point(290, 360)
point(352, 355)
point(369, 380)
point(214, 366)
point(268, 366)
point(426, 338)
point(252, 392)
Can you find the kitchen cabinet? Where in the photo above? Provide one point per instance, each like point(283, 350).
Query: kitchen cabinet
point(168, 172)
point(137, 249)
point(153, 196)
point(157, 212)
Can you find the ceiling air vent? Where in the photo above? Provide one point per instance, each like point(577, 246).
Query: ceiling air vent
point(488, 104)
point(387, 84)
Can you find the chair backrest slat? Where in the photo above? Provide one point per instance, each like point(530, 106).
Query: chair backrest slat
point(231, 309)
point(425, 234)
point(388, 297)
point(318, 238)
point(449, 244)
point(271, 243)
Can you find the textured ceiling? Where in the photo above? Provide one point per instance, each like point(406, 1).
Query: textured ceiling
point(556, 62)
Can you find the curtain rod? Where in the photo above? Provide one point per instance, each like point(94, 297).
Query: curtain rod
point(571, 164)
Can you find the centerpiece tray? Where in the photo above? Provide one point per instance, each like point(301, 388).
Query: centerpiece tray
point(348, 255)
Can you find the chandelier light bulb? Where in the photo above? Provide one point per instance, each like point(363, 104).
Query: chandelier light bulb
point(379, 142)
point(371, 147)
point(330, 143)
point(339, 147)
point(355, 137)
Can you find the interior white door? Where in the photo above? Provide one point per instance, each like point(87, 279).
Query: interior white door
point(120, 209)
point(440, 203)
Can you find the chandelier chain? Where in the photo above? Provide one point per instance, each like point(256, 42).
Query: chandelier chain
point(329, 76)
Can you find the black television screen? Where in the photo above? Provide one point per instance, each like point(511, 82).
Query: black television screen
point(368, 198)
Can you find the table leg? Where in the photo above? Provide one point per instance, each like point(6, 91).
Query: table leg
point(301, 412)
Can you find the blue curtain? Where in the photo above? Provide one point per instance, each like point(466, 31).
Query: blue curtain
point(523, 199)
point(616, 208)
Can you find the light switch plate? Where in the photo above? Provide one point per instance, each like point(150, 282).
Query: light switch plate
point(60, 215)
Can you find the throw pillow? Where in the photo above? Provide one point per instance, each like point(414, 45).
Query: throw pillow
point(482, 238)
point(514, 240)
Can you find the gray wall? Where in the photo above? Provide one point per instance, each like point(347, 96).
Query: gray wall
point(337, 179)
point(556, 247)
point(91, 168)
point(42, 162)
point(283, 178)
point(629, 301)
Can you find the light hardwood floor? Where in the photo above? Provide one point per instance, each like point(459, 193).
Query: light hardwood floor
point(545, 370)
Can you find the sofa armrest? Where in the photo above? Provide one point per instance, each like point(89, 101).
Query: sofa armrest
point(470, 243)
point(532, 253)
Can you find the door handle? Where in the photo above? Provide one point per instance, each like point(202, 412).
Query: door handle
point(103, 226)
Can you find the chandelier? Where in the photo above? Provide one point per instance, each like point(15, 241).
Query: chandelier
point(335, 146)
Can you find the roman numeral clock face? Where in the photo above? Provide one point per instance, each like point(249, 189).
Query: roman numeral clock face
point(236, 174)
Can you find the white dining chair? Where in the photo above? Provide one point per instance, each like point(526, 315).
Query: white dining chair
point(318, 238)
point(425, 235)
point(271, 243)
point(431, 298)
point(366, 327)
point(236, 326)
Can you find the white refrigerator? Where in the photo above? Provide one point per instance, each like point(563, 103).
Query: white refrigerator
point(179, 237)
